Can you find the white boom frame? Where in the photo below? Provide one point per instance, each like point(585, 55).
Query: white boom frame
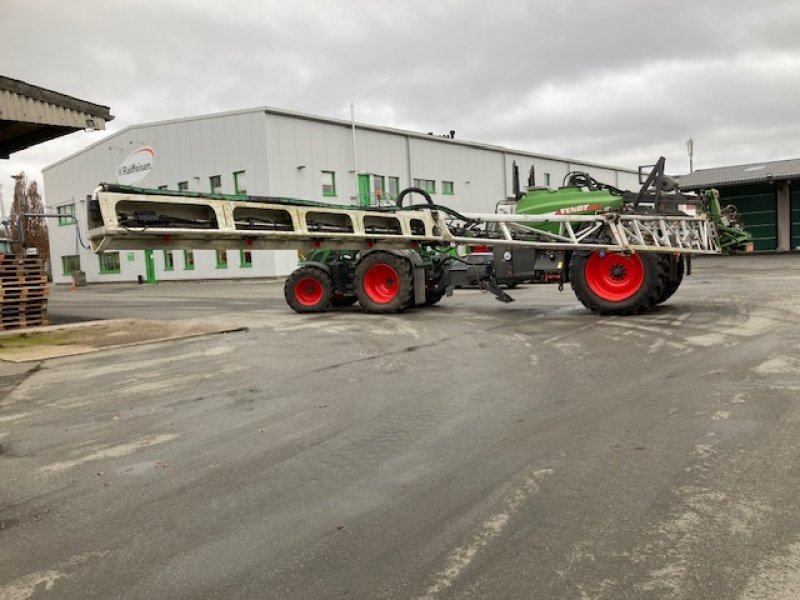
point(625, 232)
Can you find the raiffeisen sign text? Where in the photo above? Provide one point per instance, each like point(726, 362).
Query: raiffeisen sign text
point(136, 166)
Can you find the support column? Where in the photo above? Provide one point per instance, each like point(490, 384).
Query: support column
point(784, 217)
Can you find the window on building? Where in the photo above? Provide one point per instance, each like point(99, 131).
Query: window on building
point(378, 187)
point(169, 260)
point(547, 179)
point(183, 186)
point(109, 262)
point(70, 264)
point(245, 258)
point(68, 211)
point(188, 260)
point(429, 185)
point(215, 184)
point(163, 187)
point(328, 183)
point(222, 259)
point(394, 188)
point(239, 183)
point(447, 188)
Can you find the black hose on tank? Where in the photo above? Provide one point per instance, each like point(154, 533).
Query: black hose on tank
point(419, 191)
point(580, 178)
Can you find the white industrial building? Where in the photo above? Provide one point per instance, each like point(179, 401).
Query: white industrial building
point(269, 152)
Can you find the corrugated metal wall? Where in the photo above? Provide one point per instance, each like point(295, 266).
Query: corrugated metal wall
point(757, 204)
point(795, 215)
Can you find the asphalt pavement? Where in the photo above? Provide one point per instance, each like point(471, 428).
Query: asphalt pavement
point(469, 450)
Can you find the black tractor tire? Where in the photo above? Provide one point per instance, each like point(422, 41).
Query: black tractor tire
point(608, 283)
point(308, 289)
point(344, 300)
point(384, 282)
point(672, 284)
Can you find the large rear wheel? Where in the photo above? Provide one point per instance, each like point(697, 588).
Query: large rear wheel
point(674, 278)
point(608, 283)
point(384, 282)
point(308, 289)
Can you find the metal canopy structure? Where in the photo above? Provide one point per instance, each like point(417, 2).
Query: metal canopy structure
point(762, 172)
point(30, 115)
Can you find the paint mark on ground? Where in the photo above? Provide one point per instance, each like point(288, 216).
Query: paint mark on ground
point(16, 417)
point(777, 578)
point(703, 511)
point(780, 365)
point(218, 350)
point(460, 558)
point(25, 587)
point(703, 449)
point(707, 340)
point(111, 452)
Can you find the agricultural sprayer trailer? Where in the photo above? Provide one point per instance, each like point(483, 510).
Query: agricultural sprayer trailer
point(623, 252)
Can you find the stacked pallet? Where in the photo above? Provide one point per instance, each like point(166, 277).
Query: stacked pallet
point(23, 292)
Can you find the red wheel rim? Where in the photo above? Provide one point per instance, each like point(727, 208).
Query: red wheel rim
point(381, 283)
point(308, 291)
point(614, 277)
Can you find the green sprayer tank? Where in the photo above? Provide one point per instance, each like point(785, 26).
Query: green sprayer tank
point(568, 200)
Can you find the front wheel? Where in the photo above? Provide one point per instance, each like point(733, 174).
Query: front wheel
point(308, 289)
point(384, 282)
point(608, 283)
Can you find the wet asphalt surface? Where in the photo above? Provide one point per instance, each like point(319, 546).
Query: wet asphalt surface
point(468, 450)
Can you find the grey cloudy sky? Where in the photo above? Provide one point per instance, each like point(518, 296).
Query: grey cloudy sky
point(613, 81)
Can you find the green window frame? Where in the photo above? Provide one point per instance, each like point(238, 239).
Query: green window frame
point(245, 258)
point(447, 188)
point(188, 260)
point(239, 183)
point(329, 183)
point(183, 186)
point(429, 185)
point(215, 184)
point(109, 263)
point(393, 190)
point(222, 259)
point(68, 212)
point(169, 260)
point(70, 264)
point(163, 187)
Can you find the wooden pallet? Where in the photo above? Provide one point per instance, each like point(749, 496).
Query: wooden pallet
point(23, 292)
point(22, 309)
point(9, 262)
point(23, 296)
point(22, 323)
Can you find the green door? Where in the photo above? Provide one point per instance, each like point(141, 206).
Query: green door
point(795, 218)
point(758, 207)
point(363, 190)
point(150, 266)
